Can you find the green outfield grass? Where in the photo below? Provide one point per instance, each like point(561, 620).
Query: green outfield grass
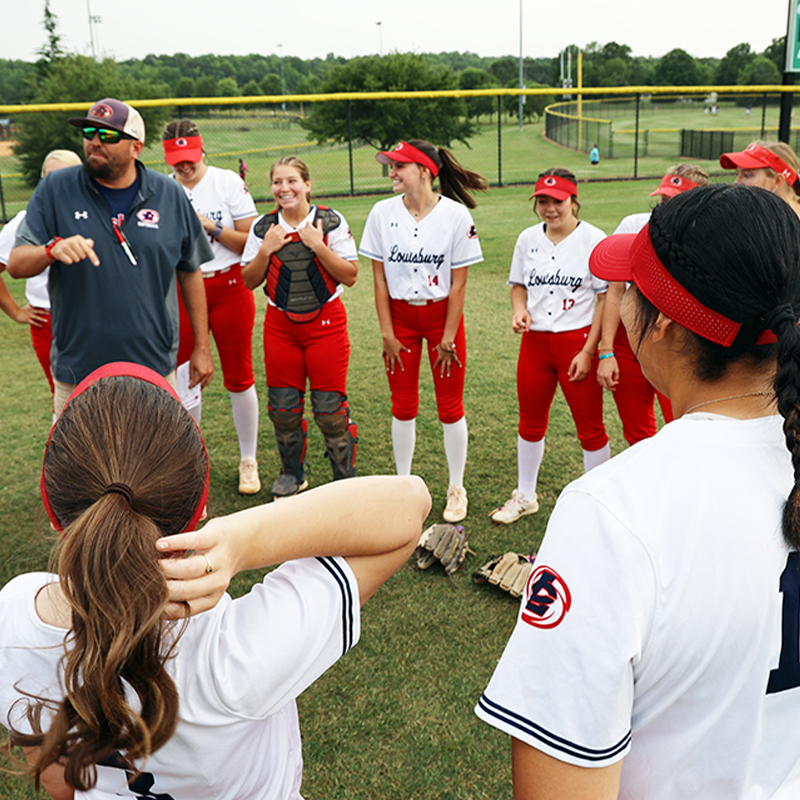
point(394, 719)
point(260, 137)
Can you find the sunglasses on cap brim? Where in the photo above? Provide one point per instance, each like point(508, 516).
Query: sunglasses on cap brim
point(107, 136)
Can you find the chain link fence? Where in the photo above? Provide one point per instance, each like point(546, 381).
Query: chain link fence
point(639, 131)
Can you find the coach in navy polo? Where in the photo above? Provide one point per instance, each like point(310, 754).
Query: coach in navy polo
point(115, 235)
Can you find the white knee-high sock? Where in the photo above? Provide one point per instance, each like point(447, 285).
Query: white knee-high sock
point(404, 439)
point(455, 449)
point(594, 458)
point(529, 459)
point(245, 419)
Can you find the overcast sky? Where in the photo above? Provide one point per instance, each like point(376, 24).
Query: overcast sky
point(313, 28)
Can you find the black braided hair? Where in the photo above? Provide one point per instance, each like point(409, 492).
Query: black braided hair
point(737, 250)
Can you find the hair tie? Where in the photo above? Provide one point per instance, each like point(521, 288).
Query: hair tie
point(120, 488)
point(779, 316)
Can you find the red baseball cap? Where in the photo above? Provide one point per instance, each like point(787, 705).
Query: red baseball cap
point(183, 148)
point(672, 185)
point(755, 156)
point(632, 257)
point(556, 187)
point(408, 154)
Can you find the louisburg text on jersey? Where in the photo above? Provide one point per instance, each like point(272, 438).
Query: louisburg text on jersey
point(555, 279)
point(420, 257)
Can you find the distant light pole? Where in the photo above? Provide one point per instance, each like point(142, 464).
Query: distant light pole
point(283, 81)
point(521, 84)
point(380, 36)
point(93, 20)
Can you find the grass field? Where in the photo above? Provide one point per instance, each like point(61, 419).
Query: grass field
point(394, 719)
point(260, 138)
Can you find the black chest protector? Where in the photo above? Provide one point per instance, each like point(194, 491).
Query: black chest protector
point(296, 281)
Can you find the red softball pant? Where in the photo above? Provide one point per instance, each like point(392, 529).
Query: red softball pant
point(544, 359)
point(42, 338)
point(317, 351)
point(635, 395)
point(231, 319)
point(412, 325)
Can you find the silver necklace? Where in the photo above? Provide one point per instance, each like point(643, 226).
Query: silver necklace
point(730, 397)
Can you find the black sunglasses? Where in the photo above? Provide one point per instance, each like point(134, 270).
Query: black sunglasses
point(106, 135)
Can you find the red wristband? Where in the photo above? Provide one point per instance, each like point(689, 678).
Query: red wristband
point(48, 248)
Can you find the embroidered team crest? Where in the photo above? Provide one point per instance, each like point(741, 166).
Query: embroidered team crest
point(549, 180)
point(549, 598)
point(473, 234)
point(148, 215)
point(102, 110)
point(181, 142)
point(676, 181)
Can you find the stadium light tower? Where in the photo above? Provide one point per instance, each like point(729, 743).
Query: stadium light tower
point(380, 36)
point(93, 20)
point(521, 84)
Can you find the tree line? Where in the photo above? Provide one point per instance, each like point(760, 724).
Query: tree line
point(610, 64)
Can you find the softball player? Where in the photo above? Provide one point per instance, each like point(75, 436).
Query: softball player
point(204, 709)
point(632, 641)
point(769, 165)
point(558, 307)
point(36, 312)
point(619, 371)
point(421, 244)
point(226, 210)
point(304, 253)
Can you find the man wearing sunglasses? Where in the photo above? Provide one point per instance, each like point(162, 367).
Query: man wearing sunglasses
point(115, 235)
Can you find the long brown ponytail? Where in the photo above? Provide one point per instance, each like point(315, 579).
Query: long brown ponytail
point(124, 466)
point(455, 181)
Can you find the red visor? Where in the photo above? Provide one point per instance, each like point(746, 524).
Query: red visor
point(114, 369)
point(184, 148)
point(672, 185)
point(631, 257)
point(408, 154)
point(754, 156)
point(556, 187)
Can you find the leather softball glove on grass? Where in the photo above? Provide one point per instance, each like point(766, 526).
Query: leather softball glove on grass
point(445, 543)
point(509, 571)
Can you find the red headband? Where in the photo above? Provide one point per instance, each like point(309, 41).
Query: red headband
point(115, 369)
point(631, 257)
point(408, 154)
point(672, 185)
point(184, 148)
point(754, 156)
point(556, 187)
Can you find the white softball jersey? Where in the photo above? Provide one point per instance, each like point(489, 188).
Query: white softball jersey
point(238, 669)
point(660, 622)
point(222, 196)
point(561, 289)
point(36, 287)
point(633, 223)
point(419, 255)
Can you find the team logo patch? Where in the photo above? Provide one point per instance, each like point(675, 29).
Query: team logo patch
point(102, 110)
point(549, 181)
point(181, 142)
point(549, 598)
point(676, 181)
point(148, 215)
point(244, 189)
point(473, 234)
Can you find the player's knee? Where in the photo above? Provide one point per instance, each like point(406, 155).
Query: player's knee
point(285, 407)
point(330, 412)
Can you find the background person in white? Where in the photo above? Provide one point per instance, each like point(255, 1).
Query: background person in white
point(659, 625)
point(226, 211)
